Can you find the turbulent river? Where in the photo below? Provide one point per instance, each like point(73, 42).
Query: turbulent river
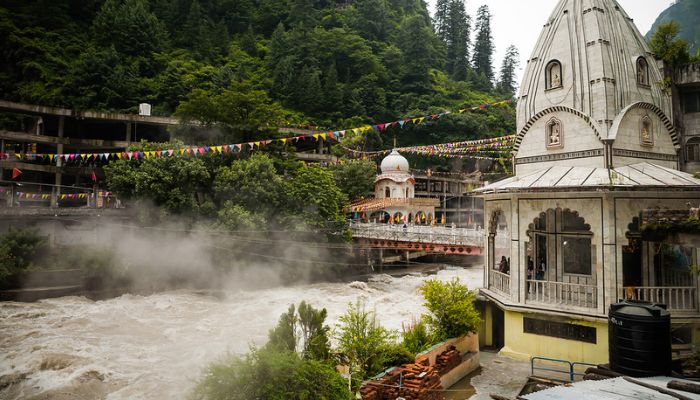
point(155, 347)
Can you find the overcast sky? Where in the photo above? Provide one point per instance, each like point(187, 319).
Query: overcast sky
point(519, 22)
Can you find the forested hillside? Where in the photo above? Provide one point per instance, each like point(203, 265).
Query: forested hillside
point(687, 14)
point(249, 64)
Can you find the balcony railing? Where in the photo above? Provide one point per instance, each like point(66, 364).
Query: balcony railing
point(682, 299)
point(560, 293)
point(421, 234)
point(499, 282)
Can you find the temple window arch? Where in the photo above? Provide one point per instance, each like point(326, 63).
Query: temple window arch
point(555, 134)
point(553, 75)
point(692, 148)
point(646, 132)
point(642, 71)
point(560, 248)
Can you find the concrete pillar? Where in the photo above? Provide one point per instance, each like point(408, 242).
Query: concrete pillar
point(128, 132)
point(2, 152)
point(381, 260)
point(320, 145)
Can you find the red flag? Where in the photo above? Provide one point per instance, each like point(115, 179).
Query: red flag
point(93, 176)
point(16, 172)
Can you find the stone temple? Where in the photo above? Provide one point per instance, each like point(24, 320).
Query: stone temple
point(596, 152)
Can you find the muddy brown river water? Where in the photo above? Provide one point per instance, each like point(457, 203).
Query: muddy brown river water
point(155, 347)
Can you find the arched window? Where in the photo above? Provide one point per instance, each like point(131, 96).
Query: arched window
point(693, 149)
point(642, 71)
point(572, 239)
point(555, 134)
point(646, 133)
point(387, 192)
point(553, 75)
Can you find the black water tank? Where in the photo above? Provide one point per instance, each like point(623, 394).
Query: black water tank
point(639, 339)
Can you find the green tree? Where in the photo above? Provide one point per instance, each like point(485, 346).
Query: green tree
point(506, 84)
point(451, 308)
point(234, 217)
point(272, 375)
point(482, 60)
point(302, 330)
point(363, 342)
point(19, 249)
point(130, 27)
point(252, 184)
point(240, 111)
point(457, 40)
point(169, 182)
point(313, 196)
point(667, 46)
point(355, 178)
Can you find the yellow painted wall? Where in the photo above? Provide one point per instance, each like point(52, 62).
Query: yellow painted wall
point(526, 345)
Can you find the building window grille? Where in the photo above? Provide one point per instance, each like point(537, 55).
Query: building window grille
point(693, 149)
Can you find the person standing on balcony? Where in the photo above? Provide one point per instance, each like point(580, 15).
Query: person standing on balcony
point(541, 270)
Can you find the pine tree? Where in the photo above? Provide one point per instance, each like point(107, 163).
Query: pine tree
point(507, 84)
point(332, 95)
point(441, 16)
point(457, 40)
point(301, 14)
point(483, 47)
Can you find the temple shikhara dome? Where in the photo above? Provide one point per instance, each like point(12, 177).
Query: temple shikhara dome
point(596, 163)
point(591, 94)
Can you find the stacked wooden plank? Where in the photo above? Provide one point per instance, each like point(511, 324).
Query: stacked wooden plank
point(448, 360)
point(410, 381)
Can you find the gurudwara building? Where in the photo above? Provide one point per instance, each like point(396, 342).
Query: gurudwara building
point(596, 149)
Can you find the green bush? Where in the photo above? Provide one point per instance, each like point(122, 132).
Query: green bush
point(271, 375)
point(416, 337)
point(451, 309)
point(363, 342)
point(302, 331)
point(19, 248)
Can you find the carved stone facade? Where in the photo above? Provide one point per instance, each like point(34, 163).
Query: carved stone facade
point(596, 147)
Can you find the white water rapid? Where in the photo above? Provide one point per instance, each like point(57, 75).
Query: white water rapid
point(155, 347)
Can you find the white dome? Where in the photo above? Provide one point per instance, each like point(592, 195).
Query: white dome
point(395, 162)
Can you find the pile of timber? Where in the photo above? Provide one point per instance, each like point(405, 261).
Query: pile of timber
point(410, 381)
point(448, 360)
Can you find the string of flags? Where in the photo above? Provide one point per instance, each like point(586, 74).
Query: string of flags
point(238, 147)
point(482, 149)
point(47, 196)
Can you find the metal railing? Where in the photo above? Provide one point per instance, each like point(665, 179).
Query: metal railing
point(419, 233)
point(499, 282)
point(560, 293)
point(569, 368)
point(675, 298)
point(30, 194)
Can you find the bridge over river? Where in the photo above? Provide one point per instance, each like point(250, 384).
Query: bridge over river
point(423, 238)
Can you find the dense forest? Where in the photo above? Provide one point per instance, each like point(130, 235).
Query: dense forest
point(248, 65)
point(687, 14)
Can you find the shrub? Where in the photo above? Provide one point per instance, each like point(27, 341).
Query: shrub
point(363, 342)
point(302, 331)
point(416, 337)
point(451, 308)
point(271, 375)
point(18, 249)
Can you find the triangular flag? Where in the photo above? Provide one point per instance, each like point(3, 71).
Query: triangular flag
point(16, 172)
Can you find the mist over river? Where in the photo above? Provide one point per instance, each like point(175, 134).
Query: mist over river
point(155, 346)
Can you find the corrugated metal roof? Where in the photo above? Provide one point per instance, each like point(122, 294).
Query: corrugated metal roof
point(610, 389)
point(642, 175)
